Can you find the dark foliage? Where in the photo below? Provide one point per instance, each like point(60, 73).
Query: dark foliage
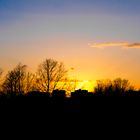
point(57, 101)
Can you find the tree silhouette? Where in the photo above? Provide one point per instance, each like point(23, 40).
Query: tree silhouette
point(29, 82)
point(121, 85)
point(117, 87)
point(1, 72)
point(103, 86)
point(14, 81)
point(50, 73)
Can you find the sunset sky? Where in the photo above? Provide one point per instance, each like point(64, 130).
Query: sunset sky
point(100, 39)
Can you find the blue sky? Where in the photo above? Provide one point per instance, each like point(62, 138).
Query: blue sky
point(14, 8)
point(75, 17)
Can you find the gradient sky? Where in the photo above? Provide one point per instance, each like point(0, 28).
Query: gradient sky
point(88, 35)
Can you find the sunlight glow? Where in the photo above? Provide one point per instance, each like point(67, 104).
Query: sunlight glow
point(86, 85)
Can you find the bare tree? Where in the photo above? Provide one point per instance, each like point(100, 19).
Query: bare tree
point(29, 82)
point(14, 82)
point(121, 85)
point(117, 86)
point(50, 73)
point(1, 72)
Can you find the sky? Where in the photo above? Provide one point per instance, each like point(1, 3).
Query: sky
point(100, 39)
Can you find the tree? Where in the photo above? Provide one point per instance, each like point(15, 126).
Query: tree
point(14, 82)
point(121, 85)
point(29, 83)
point(103, 87)
point(1, 72)
point(115, 87)
point(50, 73)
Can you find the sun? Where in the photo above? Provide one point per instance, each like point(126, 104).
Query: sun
point(86, 85)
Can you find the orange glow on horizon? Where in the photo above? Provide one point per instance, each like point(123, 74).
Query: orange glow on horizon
point(86, 85)
point(84, 64)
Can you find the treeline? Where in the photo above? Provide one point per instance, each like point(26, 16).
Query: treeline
point(51, 76)
point(47, 78)
point(28, 98)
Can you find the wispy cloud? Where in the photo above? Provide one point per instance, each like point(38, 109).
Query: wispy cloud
point(115, 44)
point(134, 45)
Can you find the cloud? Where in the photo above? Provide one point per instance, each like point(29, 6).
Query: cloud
point(115, 44)
point(134, 45)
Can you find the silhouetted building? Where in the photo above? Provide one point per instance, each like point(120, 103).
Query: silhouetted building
point(38, 94)
point(59, 94)
point(79, 93)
